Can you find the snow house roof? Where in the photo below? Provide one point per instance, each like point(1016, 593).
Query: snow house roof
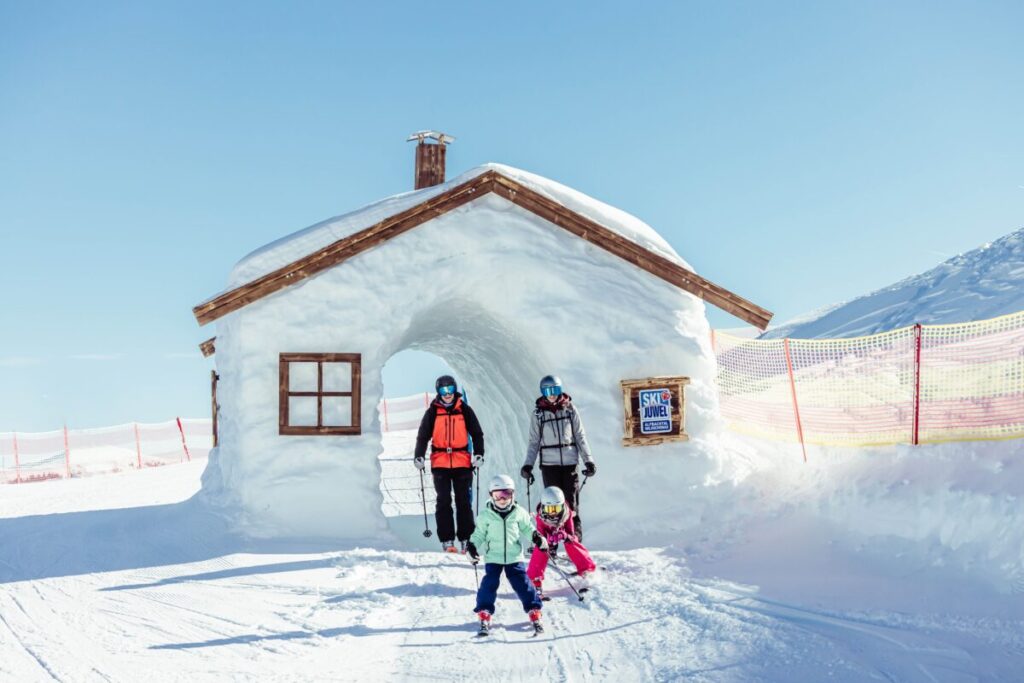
point(300, 255)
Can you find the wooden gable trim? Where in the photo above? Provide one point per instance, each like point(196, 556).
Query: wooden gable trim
point(489, 181)
point(626, 249)
point(207, 347)
point(343, 249)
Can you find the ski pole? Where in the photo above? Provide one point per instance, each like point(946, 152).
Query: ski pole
point(579, 489)
point(476, 471)
point(423, 496)
point(476, 575)
point(566, 577)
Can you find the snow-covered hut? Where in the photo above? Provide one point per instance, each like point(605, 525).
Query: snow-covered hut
point(505, 275)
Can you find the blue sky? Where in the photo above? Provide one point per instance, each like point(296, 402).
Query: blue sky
point(797, 153)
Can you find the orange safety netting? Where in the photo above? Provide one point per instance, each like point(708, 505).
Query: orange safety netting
point(919, 384)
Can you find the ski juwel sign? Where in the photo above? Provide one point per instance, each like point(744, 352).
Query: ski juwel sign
point(654, 410)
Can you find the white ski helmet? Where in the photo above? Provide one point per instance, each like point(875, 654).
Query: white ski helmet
point(502, 482)
point(552, 503)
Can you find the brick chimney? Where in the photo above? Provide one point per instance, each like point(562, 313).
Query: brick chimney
point(430, 157)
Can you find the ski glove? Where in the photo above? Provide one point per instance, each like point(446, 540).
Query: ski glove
point(590, 469)
point(478, 460)
point(421, 463)
point(527, 474)
point(540, 541)
point(471, 549)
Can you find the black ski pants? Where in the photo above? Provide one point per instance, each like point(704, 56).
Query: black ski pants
point(566, 478)
point(459, 479)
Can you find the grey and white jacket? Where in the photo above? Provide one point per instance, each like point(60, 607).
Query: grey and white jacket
point(557, 435)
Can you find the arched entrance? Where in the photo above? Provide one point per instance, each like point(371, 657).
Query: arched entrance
point(489, 358)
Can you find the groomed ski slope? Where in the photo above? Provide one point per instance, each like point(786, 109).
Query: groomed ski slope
point(124, 578)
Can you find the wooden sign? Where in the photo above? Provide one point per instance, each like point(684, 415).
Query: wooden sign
point(654, 410)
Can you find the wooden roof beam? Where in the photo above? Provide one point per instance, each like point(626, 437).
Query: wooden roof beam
point(489, 181)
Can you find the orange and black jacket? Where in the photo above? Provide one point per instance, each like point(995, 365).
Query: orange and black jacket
point(448, 428)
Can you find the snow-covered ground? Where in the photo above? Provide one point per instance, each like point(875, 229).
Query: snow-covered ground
point(982, 283)
point(894, 564)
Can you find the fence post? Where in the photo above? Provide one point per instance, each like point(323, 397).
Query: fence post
point(138, 447)
point(712, 341)
point(386, 415)
point(213, 400)
point(183, 444)
point(426, 400)
point(67, 453)
point(17, 462)
point(796, 407)
point(917, 385)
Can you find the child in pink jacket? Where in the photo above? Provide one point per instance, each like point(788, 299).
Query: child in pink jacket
point(554, 523)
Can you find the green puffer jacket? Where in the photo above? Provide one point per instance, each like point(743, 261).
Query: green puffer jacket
point(498, 539)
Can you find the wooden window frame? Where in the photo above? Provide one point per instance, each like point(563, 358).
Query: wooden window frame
point(354, 359)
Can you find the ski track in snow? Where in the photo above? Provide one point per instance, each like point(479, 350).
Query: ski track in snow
point(390, 615)
point(161, 594)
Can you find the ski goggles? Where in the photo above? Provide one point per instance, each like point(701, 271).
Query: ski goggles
point(553, 390)
point(552, 510)
point(446, 390)
point(502, 494)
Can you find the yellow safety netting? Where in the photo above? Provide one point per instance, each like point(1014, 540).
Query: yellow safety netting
point(919, 384)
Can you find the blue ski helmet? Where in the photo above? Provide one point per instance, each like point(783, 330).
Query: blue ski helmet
point(551, 386)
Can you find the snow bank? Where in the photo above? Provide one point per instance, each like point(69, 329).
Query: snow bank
point(948, 511)
point(504, 298)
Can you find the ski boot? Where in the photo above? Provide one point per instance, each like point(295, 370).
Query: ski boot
point(448, 547)
point(485, 623)
point(538, 627)
point(462, 546)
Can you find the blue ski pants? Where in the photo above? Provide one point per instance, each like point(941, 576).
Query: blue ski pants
point(516, 574)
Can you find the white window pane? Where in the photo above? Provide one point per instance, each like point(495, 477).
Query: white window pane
point(302, 377)
point(337, 411)
point(337, 377)
point(302, 411)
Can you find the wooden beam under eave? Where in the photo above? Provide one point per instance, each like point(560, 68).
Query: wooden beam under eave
point(207, 347)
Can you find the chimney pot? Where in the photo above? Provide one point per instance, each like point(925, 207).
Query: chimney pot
point(430, 157)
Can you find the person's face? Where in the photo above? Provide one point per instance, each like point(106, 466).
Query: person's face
point(502, 497)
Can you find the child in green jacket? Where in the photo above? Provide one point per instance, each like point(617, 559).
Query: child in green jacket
point(500, 531)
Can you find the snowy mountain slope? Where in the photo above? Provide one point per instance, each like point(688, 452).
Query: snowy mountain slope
point(983, 283)
point(843, 571)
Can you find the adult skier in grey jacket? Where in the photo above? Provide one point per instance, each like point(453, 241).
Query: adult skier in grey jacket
point(558, 438)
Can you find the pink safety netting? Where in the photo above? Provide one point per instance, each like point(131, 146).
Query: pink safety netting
point(919, 384)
